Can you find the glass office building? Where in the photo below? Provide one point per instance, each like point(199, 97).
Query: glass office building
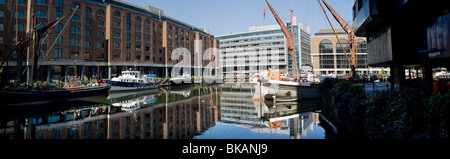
point(263, 48)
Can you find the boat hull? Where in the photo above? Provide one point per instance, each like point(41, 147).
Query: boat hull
point(126, 86)
point(287, 93)
point(40, 97)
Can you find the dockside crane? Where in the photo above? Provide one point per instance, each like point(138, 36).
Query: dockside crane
point(348, 29)
point(289, 36)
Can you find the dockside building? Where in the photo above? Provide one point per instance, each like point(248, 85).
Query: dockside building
point(263, 48)
point(104, 37)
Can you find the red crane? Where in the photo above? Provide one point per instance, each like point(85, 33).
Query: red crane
point(289, 36)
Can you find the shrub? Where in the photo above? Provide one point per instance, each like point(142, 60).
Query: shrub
point(437, 115)
point(390, 114)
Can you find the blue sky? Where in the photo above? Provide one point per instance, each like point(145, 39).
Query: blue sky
point(223, 16)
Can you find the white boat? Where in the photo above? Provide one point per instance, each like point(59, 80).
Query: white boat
point(286, 91)
point(133, 80)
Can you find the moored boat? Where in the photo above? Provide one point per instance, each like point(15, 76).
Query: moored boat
point(133, 80)
point(11, 98)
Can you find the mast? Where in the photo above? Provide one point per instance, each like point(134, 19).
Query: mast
point(287, 33)
point(347, 29)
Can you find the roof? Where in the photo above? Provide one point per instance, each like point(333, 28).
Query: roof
point(149, 10)
point(330, 31)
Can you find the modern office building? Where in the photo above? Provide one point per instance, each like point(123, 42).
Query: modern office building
point(329, 57)
point(104, 37)
point(262, 48)
point(405, 34)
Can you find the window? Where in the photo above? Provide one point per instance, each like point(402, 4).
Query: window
point(41, 14)
point(20, 2)
point(87, 55)
point(58, 53)
point(100, 34)
point(100, 45)
point(116, 56)
point(138, 57)
point(346, 45)
point(128, 26)
point(147, 40)
point(138, 48)
point(75, 30)
point(117, 14)
point(74, 54)
point(128, 16)
point(41, 53)
point(147, 31)
point(147, 21)
point(19, 14)
point(88, 10)
point(18, 28)
point(88, 21)
point(87, 32)
point(2, 1)
point(361, 46)
point(116, 25)
point(58, 41)
point(138, 29)
point(87, 44)
point(59, 14)
point(100, 12)
point(138, 38)
point(74, 42)
point(2, 27)
point(326, 46)
point(76, 18)
point(128, 37)
point(2, 13)
point(170, 28)
point(147, 48)
point(100, 23)
point(116, 45)
point(58, 28)
point(138, 19)
point(116, 35)
point(128, 46)
point(59, 4)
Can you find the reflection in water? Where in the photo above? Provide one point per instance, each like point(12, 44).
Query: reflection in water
point(182, 112)
point(295, 120)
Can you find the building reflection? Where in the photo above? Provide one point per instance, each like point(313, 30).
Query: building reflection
point(169, 113)
point(296, 119)
point(150, 115)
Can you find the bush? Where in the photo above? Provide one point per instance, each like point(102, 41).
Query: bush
point(391, 114)
point(342, 104)
point(437, 115)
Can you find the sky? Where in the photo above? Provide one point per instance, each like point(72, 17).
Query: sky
point(221, 17)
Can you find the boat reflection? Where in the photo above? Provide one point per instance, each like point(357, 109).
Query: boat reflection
point(296, 119)
point(176, 112)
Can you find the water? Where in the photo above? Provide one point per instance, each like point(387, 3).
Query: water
point(181, 112)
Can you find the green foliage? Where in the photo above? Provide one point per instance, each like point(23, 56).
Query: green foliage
point(437, 115)
point(398, 114)
point(59, 83)
point(391, 114)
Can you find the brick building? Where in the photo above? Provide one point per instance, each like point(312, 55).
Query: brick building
point(104, 37)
